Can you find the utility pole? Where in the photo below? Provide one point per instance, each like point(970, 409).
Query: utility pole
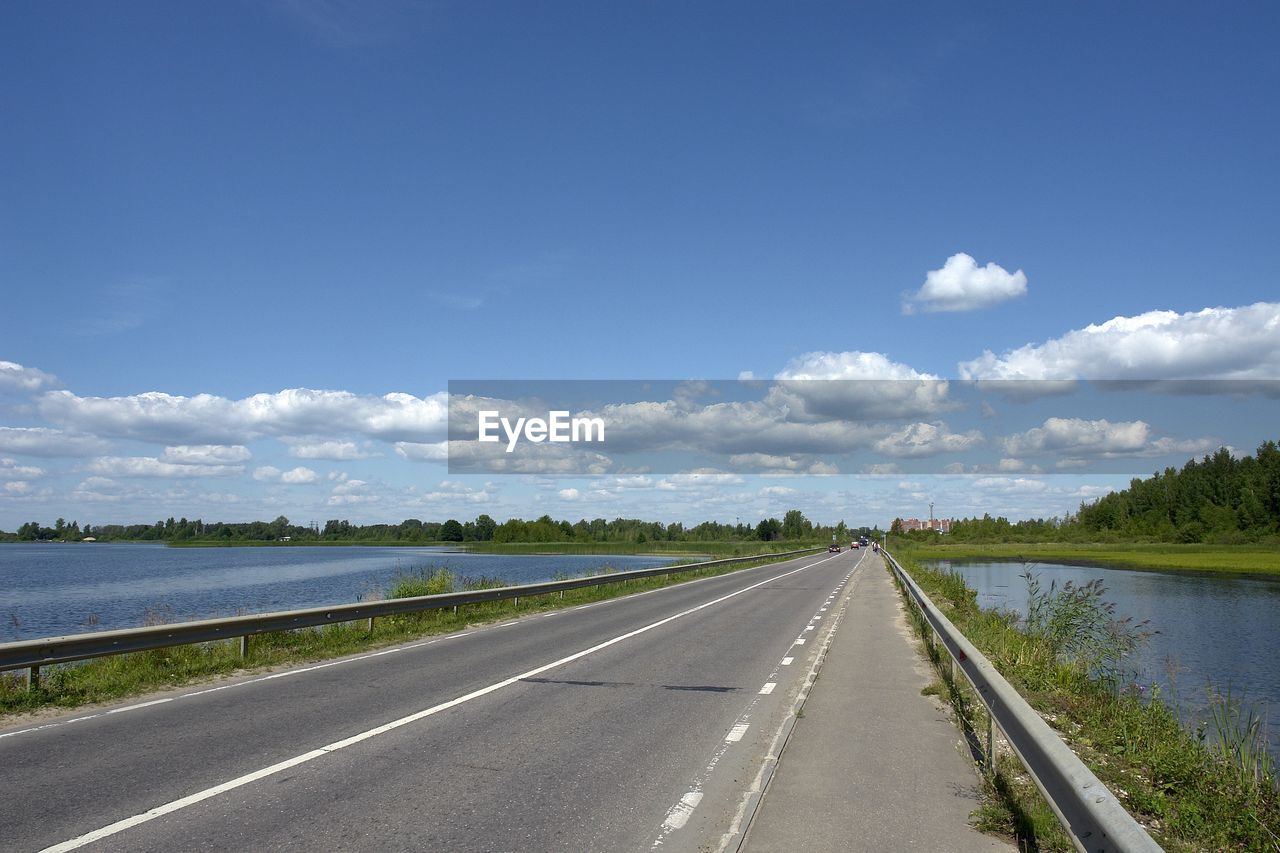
point(930, 515)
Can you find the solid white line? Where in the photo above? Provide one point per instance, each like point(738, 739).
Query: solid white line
point(787, 661)
point(768, 688)
point(735, 734)
point(175, 805)
point(140, 705)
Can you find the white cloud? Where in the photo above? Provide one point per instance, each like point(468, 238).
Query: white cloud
point(11, 468)
point(927, 439)
point(568, 494)
point(437, 451)
point(206, 454)
point(1075, 438)
point(777, 491)
point(961, 285)
point(1081, 437)
point(147, 466)
point(294, 477)
point(855, 385)
point(41, 441)
point(17, 488)
point(852, 364)
point(882, 469)
point(298, 476)
point(337, 451)
point(1010, 485)
point(205, 418)
point(699, 478)
point(1215, 343)
point(16, 377)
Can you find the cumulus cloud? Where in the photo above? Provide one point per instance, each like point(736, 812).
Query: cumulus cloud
point(436, 451)
point(699, 478)
point(1215, 343)
point(15, 377)
point(148, 466)
point(961, 285)
point(41, 441)
point(11, 468)
point(294, 477)
point(205, 418)
point(568, 494)
point(17, 488)
point(206, 454)
point(1010, 485)
point(855, 385)
point(927, 439)
point(298, 476)
point(1074, 438)
point(337, 451)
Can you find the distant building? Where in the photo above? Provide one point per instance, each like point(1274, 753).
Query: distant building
point(941, 525)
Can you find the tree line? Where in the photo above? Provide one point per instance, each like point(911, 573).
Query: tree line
point(1218, 499)
point(792, 526)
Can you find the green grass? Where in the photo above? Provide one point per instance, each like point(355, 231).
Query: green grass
point(1233, 559)
point(118, 676)
point(1210, 789)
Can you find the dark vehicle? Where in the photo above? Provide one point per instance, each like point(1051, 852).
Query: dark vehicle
point(863, 541)
point(833, 548)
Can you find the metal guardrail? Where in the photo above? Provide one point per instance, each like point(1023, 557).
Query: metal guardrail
point(1090, 813)
point(34, 654)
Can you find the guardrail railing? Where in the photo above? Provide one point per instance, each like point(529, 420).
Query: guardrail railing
point(34, 654)
point(1092, 816)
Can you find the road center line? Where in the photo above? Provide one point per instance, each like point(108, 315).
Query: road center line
point(232, 784)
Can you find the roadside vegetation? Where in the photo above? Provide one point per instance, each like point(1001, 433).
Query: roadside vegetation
point(1212, 786)
point(118, 676)
point(1224, 559)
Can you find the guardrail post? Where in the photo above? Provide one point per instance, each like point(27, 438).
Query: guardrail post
point(953, 670)
point(370, 626)
point(33, 678)
point(991, 743)
point(517, 605)
point(244, 646)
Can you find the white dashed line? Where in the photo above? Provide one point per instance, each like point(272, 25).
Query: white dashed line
point(681, 811)
point(735, 734)
point(799, 641)
point(787, 661)
point(768, 688)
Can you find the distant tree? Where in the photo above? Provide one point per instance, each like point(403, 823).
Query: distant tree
point(768, 529)
point(485, 527)
point(795, 525)
point(451, 531)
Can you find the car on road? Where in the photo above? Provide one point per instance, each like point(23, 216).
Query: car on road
point(833, 548)
point(853, 546)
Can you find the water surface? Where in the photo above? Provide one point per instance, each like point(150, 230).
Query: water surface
point(51, 589)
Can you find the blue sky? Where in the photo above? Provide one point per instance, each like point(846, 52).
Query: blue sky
point(371, 199)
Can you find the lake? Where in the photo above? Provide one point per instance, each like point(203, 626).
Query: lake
point(1212, 629)
point(53, 589)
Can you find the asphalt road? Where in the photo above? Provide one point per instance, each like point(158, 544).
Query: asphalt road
point(625, 725)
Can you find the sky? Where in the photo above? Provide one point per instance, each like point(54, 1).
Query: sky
point(246, 246)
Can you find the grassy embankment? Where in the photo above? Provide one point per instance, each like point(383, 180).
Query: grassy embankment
point(110, 678)
point(1215, 559)
point(1214, 788)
